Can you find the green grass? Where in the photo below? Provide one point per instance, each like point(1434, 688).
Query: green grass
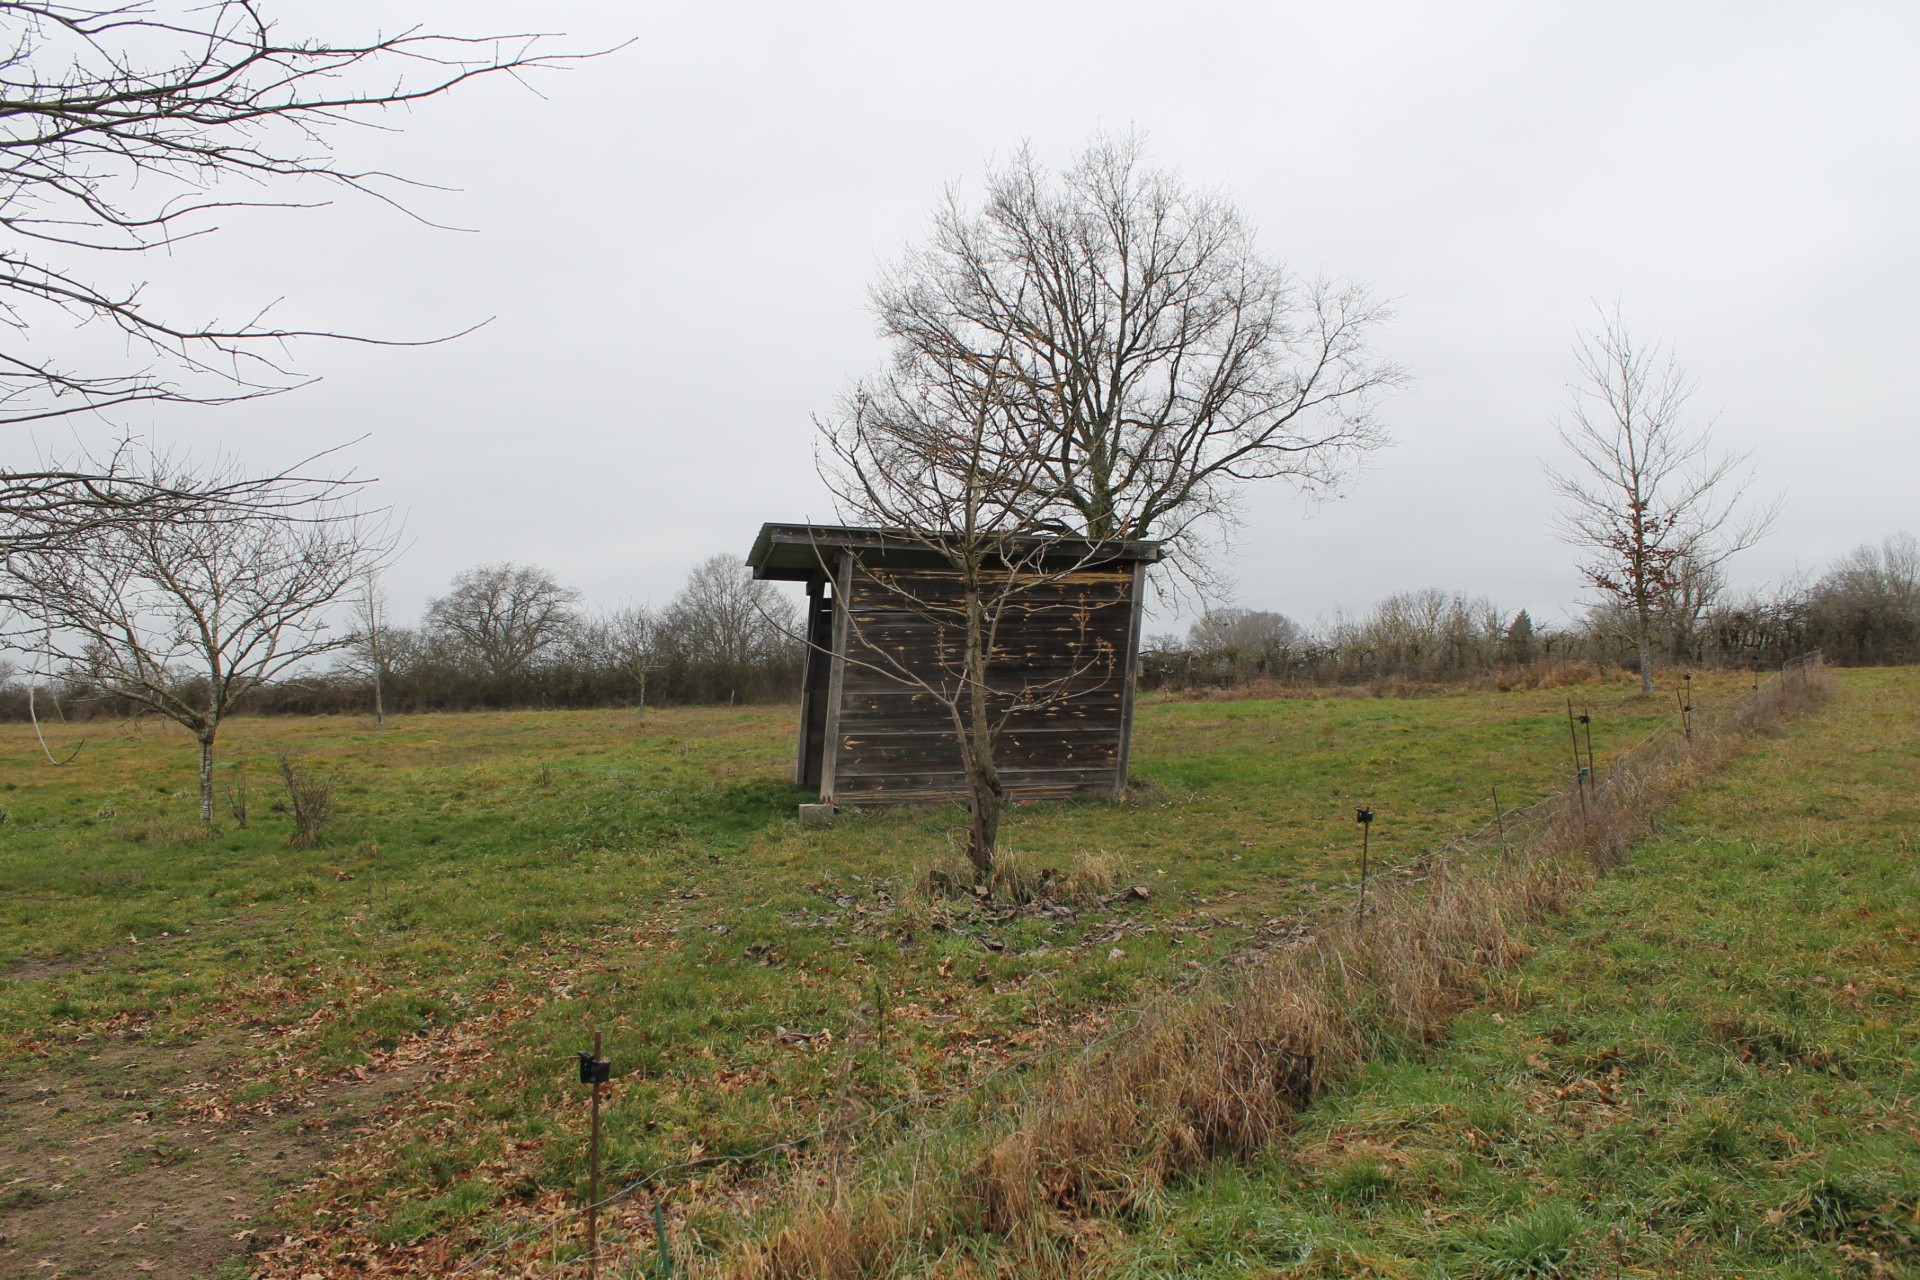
point(498, 886)
point(1709, 1069)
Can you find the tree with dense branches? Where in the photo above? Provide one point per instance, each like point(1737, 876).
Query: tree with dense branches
point(504, 617)
point(1140, 345)
point(1089, 357)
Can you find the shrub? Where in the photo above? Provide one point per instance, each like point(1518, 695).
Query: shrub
point(311, 798)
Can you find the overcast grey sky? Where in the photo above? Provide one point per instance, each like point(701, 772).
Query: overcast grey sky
point(675, 242)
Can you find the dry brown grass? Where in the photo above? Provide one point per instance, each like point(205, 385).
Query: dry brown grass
point(1223, 1071)
point(1018, 877)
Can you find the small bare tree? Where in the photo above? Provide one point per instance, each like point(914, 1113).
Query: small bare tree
point(184, 615)
point(1647, 500)
point(633, 641)
point(935, 458)
point(370, 641)
point(1146, 356)
point(310, 796)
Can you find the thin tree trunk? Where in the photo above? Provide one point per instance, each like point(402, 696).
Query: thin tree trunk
point(1643, 644)
point(206, 776)
point(373, 652)
point(983, 780)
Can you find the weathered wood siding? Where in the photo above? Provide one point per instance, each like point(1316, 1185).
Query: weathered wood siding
point(815, 687)
point(893, 742)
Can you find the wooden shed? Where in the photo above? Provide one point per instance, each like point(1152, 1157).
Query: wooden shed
point(870, 737)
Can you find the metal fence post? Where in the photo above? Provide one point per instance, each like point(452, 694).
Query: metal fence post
point(1364, 816)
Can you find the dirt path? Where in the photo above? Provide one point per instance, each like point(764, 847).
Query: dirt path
point(116, 1160)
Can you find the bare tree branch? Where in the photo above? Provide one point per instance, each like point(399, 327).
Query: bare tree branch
point(63, 504)
point(125, 128)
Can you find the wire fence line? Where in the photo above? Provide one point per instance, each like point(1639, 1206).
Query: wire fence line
point(1510, 829)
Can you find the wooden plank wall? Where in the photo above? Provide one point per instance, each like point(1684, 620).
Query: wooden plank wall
point(815, 688)
point(895, 742)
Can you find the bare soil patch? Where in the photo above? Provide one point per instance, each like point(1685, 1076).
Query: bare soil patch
point(60, 967)
point(117, 1159)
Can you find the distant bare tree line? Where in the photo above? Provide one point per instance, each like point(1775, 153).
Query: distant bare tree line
point(512, 636)
point(725, 638)
point(1863, 611)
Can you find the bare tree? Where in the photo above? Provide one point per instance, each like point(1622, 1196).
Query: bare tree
point(1647, 500)
point(1866, 607)
point(633, 640)
point(505, 616)
point(184, 615)
point(1089, 357)
point(936, 458)
point(1250, 642)
point(370, 641)
point(724, 624)
point(129, 127)
point(1145, 353)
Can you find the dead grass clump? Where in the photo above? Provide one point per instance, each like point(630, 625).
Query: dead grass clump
point(1219, 1076)
point(1093, 874)
point(1018, 878)
point(828, 1235)
point(1224, 1074)
point(1544, 674)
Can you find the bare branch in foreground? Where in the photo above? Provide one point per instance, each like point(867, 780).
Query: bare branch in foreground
point(129, 128)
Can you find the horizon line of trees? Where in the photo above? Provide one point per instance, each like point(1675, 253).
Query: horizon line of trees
point(509, 636)
point(1863, 611)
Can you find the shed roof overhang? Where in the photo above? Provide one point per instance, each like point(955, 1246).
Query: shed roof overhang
point(803, 552)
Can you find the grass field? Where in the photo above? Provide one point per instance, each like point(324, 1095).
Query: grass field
point(395, 1008)
point(1708, 1070)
